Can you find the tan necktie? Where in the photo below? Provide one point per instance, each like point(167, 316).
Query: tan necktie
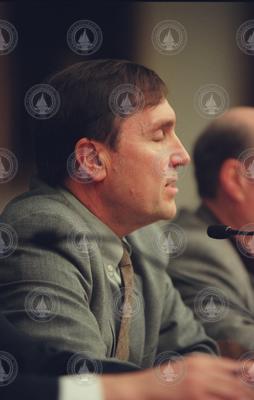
point(126, 268)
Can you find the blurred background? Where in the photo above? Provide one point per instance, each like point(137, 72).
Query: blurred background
point(210, 56)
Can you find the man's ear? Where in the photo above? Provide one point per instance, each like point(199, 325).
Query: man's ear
point(93, 158)
point(231, 180)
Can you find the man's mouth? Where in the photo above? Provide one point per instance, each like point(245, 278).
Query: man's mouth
point(171, 182)
point(171, 186)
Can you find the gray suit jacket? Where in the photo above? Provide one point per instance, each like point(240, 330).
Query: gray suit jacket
point(207, 264)
point(62, 286)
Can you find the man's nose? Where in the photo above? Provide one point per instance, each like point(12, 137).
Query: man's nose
point(180, 156)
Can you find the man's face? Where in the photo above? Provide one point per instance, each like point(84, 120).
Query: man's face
point(141, 181)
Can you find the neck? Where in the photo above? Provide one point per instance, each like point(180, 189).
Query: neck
point(92, 198)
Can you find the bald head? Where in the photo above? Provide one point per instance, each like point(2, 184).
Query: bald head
point(238, 119)
point(226, 137)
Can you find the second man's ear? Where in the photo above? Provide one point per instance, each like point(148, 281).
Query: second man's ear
point(231, 180)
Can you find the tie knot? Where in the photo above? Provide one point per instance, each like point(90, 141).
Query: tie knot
point(125, 260)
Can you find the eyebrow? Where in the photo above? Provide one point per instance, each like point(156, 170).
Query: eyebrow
point(163, 124)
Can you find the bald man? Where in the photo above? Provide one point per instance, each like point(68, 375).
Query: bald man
point(216, 277)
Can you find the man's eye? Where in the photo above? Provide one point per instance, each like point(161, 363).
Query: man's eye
point(160, 135)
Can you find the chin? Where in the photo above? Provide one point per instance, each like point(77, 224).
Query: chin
point(169, 212)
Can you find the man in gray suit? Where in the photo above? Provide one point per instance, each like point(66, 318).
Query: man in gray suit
point(215, 277)
point(107, 165)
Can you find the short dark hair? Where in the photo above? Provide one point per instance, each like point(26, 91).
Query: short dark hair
point(218, 142)
point(84, 90)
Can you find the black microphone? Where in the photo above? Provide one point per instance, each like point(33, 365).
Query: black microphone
point(223, 232)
